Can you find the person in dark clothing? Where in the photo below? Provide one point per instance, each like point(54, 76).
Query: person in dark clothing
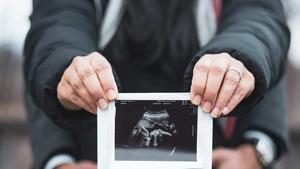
point(49, 141)
point(152, 51)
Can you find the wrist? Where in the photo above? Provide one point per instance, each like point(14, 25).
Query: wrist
point(249, 152)
point(264, 146)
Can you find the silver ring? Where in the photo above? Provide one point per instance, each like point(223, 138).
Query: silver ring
point(237, 71)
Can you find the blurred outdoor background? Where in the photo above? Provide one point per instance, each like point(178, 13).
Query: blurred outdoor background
point(15, 150)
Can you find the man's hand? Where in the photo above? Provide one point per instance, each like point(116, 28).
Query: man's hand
point(80, 165)
point(220, 83)
point(88, 82)
point(243, 157)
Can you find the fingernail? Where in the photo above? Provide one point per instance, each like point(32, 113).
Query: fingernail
point(214, 116)
point(215, 113)
point(206, 106)
point(225, 111)
point(103, 104)
point(111, 94)
point(197, 100)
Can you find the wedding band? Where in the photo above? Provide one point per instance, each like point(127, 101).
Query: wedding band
point(237, 71)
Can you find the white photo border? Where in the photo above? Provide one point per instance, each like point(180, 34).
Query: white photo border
point(106, 143)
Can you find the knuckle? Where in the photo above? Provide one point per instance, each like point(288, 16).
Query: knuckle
point(102, 67)
point(240, 64)
point(76, 59)
point(226, 55)
point(240, 91)
point(217, 69)
point(200, 67)
point(232, 78)
point(94, 54)
point(86, 73)
point(206, 56)
point(76, 84)
point(74, 98)
point(84, 95)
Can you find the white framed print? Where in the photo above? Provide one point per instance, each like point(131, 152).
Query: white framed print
point(154, 131)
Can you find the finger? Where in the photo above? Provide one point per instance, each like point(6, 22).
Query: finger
point(239, 94)
point(214, 80)
point(251, 84)
point(105, 75)
point(63, 94)
point(230, 83)
point(90, 80)
point(78, 101)
point(219, 156)
point(200, 73)
point(74, 98)
point(79, 89)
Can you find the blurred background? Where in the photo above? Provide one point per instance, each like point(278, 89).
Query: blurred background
point(15, 152)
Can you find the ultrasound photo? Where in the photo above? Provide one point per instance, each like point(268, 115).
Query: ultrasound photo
point(154, 130)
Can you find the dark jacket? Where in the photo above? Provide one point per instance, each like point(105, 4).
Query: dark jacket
point(48, 140)
point(252, 31)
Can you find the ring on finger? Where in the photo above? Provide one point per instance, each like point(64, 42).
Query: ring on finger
point(237, 71)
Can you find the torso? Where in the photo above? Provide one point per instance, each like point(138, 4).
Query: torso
point(147, 63)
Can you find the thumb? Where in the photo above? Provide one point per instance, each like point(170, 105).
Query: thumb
point(219, 156)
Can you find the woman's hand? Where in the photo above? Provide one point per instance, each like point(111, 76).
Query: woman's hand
point(87, 83)
point(220, 83)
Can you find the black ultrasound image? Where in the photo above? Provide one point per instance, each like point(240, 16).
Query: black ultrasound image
point(155, 131)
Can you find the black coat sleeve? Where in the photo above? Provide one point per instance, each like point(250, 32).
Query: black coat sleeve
point(47, 140)
point(254, 32)
point(60, 30)
point(276, 126)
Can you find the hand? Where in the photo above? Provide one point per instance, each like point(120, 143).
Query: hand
point(243, 157)
point(80, 165)
point(220, 83)
point(88, 82)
